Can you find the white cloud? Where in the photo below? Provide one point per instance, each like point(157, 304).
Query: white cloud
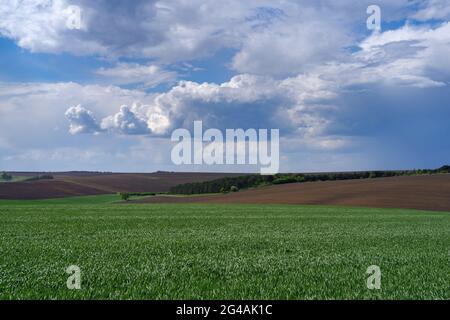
point(177, 30)
point(408, 33)
point(433, 9)
point(289, 48)
point(246, 101)
point(408, 55)
point(167, 30)
point(41, 26)
point(125, 122)
point(29, 112)
point(81, 120)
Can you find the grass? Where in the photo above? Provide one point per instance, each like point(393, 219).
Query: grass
point(79, 200)
point(188, 251)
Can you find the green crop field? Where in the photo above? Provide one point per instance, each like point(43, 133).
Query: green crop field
point(219, 251)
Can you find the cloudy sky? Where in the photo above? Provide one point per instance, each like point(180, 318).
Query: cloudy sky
point(107, 95)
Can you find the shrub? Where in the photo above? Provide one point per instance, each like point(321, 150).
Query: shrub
point(284, 180)
point(124, 196)
point(141, 194)
point(234, 189)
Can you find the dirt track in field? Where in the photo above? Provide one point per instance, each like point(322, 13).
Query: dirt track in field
point(431, 192)
point(67, 184)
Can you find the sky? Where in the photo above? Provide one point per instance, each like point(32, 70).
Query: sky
point(107, 94)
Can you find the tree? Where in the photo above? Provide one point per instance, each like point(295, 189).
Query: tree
point(124, 196)
point(6, 176)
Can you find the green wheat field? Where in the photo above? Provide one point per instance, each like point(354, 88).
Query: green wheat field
point(180, 251)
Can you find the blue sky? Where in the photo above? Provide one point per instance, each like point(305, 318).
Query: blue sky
point(106, 96)
point(21, 65)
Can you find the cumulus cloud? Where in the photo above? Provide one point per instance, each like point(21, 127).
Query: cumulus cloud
point(125, 122)
point(81, 120)
point(246, 101)
point(40, 110)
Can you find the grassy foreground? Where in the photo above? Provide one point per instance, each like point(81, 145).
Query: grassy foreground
point(220, 251)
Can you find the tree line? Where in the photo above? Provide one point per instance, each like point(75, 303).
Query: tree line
point(8, 177)
point(232, 184)
point(127, 195)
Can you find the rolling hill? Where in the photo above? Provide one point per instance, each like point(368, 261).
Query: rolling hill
point(68, 184)
point(427, 192)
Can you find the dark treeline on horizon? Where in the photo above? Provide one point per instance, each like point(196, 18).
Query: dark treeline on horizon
point(231, 184)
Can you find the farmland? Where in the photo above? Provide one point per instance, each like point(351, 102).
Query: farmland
point(70, 184)
point(426, 192)
point(214, 251)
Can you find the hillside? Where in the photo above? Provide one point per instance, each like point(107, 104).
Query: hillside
point(428, 192)
point(67, 184)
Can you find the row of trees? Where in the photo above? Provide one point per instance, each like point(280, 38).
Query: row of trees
point(255, 180)
point(40, 177)
point(127, 195)
point(222, 185)
point(6, 176)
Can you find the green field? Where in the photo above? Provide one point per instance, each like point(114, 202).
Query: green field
point(219, 251)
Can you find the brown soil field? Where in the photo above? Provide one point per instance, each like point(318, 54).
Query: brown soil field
point(427, 192)
point(44, 189)
point(67, 184)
